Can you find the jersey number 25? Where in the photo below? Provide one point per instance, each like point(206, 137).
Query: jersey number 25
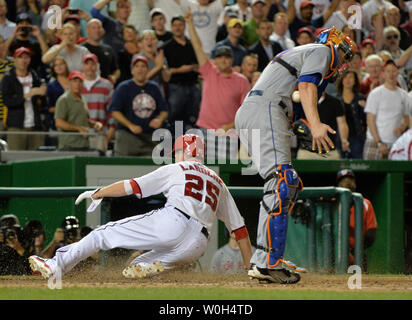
point(194, 188)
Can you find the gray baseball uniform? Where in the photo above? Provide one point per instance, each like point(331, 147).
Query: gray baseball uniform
point(268, 108)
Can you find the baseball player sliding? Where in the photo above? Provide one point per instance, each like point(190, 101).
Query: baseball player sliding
point(176, 234)
point(268, 108)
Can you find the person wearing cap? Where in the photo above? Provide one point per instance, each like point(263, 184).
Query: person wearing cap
point(281, 31)
point(97, 92)
point(218, 107)
point(206, 15)
point(139, 108)
point(105, 54)
point(158, 70)
point(306, 16)
point(259, 10)
point(72, 115)
point(228, 14)
point(113, 26)
point(234, 30)
point(68, 49)
point(265, 48)
point(24, 94)
point(7, 27)
point(387, 114)
point(346, 178)
point(22, 38)
point(158, 20)
point(13, 256)
point(184, 94)
point(305, 36)
point(367, 48)
point(169, 8)
point(75, 20)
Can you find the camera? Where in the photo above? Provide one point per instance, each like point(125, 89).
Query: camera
point(26, 30)
point(10, 234)
point(73, 11)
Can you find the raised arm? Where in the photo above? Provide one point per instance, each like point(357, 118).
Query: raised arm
point(332, 8)
point(201, 56)
point(291, 11)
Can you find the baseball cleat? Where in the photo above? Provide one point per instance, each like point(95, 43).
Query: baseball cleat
point(39, 264)
point(282, 276)
point(138, 271)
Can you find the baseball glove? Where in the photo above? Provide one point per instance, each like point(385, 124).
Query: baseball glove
point(304, 136)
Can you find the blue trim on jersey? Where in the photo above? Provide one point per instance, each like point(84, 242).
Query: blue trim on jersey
point(271, 128)
point(314, 78)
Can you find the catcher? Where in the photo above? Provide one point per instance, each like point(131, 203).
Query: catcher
point(174, 235)
point(268, 107)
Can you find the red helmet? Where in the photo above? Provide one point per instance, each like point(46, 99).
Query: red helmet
point(191, 144)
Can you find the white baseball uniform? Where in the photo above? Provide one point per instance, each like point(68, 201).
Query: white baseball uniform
point(174, 234)
point(402, 148)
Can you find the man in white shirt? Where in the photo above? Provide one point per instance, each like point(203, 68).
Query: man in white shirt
point(205, 17)
point(241, 6)
point(387, 115)
point(281, 30)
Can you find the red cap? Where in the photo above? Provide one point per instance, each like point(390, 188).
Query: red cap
point(367, 41)
point(140, 58)
point(304, 4)
point(72, 17)
point(191, 144)
point(305, 29)
point(22, 50)
point(319, 31)
point(76, 74)
point(90, 56)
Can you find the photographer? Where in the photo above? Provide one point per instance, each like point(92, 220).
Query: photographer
point(33, 237)
point(29, 36)
point(67, 234)
point(13, 256)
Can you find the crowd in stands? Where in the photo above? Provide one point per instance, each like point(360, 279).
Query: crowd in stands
point(112, 71)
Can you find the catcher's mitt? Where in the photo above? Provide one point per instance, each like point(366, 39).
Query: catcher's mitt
point(301, 129)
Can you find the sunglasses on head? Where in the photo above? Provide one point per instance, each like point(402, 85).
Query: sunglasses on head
point(394, 36)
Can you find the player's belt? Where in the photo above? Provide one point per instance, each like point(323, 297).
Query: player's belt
point(204, 230)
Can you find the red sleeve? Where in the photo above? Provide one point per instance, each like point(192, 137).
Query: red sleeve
point(369, 215)
point(241, 233)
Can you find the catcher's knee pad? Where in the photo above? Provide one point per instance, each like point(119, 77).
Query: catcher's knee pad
point(277, 226)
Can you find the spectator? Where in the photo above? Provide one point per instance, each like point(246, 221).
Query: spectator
point(394, 107)
point(255, 78)
point(107, 60)
point(367, 48)
point(22, 38)
point(340, 18)
point(402, 147)
point(158, 69)
point(158, 20)
point(391, 36)
point(259, 12)
point(373, 67)
point(85, 6)
point(130, 48)
point(330, 112)
point(206, 15)
point(170, 9)
point(6, 64)
point(184, 93)
point(218, 108)
point(139, 108)
point(242, 8)
point(50, 17)
point(228, 259)
point(24, 95)
point(68, 49)
point(264, 47)
point(281, 30)
point(228, 14)
point(113, 26)
point(306, 16)
point(393, 18)
point(32, 237)
point(346, 179)
point(55, 88)
point(249, 66)
point(369, 8)
point(354, 104)
point(7, 27)
point(75, 21)
point(33, 9)
point(356, 65)
point(140, 15)
point(234, 29)
point(305, 36)
point(72, 115)
point(97, 92)
point(68, 233)
point(13, 257)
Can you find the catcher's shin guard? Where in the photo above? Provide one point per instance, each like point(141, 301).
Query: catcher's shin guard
point(287, 186)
